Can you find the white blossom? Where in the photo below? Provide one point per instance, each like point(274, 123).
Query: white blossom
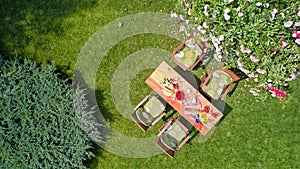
point(284, 45)
point(252, 75)
point(297, 23)
point(182, 18)
point(282, 15)
point(253, 59)
point(185, 3)
point(216, 43)
point(244, 70)
point(221, 37)
point(297, 41)
point(200, 28)
point(262, 84)
point(273, 13)
point(228, 1)
point(295, 34)
point(206, 10)
point(182, 29)
point(239, 63)
point(238, 10)
point(292, 77)
point(204, 25)
point(245, 50)
point(254, 91)
point(227, 17)
point(261, 71)
point(174, 15)
point(248, 51)
point(267, 5)
point(288, 24)
point(227, 10)
point(203, 31)
point(258, 4)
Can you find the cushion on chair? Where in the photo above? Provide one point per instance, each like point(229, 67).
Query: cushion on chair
point(194, 45)
point(216, 84)
point(173, 136)
point(154, 107)
point(144, 117)
point(189, 53)
point(169, 141)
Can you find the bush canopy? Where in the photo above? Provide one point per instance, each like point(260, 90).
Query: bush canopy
point(39, 124)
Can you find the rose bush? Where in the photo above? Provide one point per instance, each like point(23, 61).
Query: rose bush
point(261, 38)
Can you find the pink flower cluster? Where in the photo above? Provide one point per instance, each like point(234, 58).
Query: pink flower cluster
point(296, 34)
point(280, 94)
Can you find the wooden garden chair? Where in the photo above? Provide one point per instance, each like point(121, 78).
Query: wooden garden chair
point(218, 83)
point(173, 135)
point(189, 53)
point(149, 111)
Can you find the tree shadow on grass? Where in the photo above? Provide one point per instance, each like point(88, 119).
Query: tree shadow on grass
point(97, 151)
point(95, 101)
point(23, 20)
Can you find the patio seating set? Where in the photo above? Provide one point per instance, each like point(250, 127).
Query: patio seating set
point(193, 105)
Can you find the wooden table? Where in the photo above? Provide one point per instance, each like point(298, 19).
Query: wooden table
point(169, 84)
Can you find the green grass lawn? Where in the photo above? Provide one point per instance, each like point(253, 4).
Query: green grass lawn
point(253, 134)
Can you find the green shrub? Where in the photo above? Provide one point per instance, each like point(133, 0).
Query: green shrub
point(39, 127)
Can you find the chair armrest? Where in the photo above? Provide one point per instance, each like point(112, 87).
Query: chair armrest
point(158, 118)
point(165, 126)
point(182, 44)
point(203, 80)
point(179, 47)
point(178, 63)
point(199, 58)
point(142, 102)
point(183, 142)
point(206, 78)
point(203, 46)
point(232, 75)
point(186, 130)
point(222, 97)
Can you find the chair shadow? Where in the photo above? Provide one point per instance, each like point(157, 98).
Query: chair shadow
point(230, 93)
point(203, 138)
point(194, 134)
point(226, 109)
point(188, 76)
point(170, 113)
point(241, 74)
